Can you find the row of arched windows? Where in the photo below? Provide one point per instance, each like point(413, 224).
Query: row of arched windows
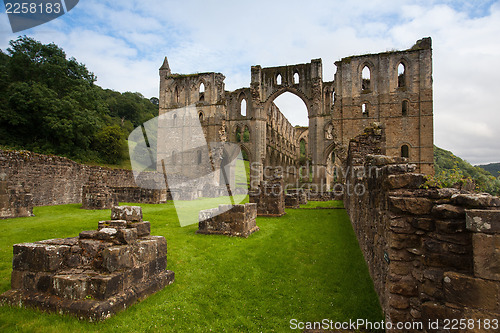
point(296, 78)
point(365, 109)
point(366, 77)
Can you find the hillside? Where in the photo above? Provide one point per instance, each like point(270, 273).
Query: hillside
point(493, 168)
point(451, 169)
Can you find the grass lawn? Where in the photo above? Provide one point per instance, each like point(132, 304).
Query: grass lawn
point(323, 204)
point(306, 266)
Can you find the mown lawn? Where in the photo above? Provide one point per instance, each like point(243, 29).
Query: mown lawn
point(306, 266)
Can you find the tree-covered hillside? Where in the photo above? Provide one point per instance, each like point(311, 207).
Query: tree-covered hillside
point(493, 168)
point(451, 169)
point(50, 104)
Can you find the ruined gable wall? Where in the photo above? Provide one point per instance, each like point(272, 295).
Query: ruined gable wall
point(384, 96)
point(432, 253)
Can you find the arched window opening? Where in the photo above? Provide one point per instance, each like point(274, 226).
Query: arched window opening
point(198, 157)
point(401, 75)
point(238, 134)
point(404, 108)
point(174, 120)
point(296, 78)
point(200, 116)
point(293, 108)
point(176, 93)
point(174, 158)
point(278, 79)
point(243, 107)
point(202, 92)
point(365, 78)
point(332, 155)
point(405, 151)
point(364, 110)
point(246, 134)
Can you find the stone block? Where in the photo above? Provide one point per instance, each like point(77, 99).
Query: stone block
point(103, 286)
point(70, 286)
point(486, 221)
point(468, 291)
point(406, 180)
point(476, 200)
point(117, 224)
point(117, 257)
point(405, 287)
point(486, 256)
point(416, 206)
point(39, 257)
point(449, 211)
point(128, 213)
point(127, 236)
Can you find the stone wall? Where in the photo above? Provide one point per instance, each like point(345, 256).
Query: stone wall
point(237, 220)
point(432, 253)
point(55, 180)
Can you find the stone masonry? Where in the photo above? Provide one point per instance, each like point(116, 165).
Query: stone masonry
point(15, 200)
point(97, 195)
point(237, 220)
point(270, 195)
point(433, 254)
point(94, 275)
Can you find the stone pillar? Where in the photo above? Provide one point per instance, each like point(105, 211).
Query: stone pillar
point(97, 195)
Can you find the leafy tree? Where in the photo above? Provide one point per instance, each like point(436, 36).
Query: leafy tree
point(110, 144)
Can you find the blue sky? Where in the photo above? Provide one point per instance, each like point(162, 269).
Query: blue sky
point(124, 42)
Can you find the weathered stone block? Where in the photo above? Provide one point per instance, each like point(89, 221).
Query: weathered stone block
point(476, 200)
point(117, 257)
point(486, 256)
point(127, 236)
point(39, 257)
point(486, 221)
point(406, 180)
point(417, 206)
point(472, 292)
point(128, 213)
point(117, 224)
point(449, 211)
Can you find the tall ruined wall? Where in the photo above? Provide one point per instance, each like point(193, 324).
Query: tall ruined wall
point(55, 180)
point(432, 253)
point(394, 88)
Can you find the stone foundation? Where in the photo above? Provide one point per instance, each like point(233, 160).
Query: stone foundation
point(140, 195)
point(237, 220)
point(270, 196)
point(292, 201)
point(95, 275)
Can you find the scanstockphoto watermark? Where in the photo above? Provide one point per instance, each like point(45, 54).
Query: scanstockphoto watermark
point(336, 187)
point(26, 14)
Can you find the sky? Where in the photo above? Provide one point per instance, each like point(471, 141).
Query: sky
point(124, 42)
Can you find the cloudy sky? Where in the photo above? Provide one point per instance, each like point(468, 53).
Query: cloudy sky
point(124, 43)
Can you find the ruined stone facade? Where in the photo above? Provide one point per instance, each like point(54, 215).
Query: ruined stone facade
point(236, 220)
point(394, 88)
point(94, 275)
point(432, 253)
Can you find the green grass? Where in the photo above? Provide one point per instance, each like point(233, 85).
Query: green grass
point(305, 265)
point(323, 204)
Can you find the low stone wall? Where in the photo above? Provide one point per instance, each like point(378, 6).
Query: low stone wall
point(237, 220)
point(433, 254)
point(140, 195)
point(55, 180)
point(270, 195)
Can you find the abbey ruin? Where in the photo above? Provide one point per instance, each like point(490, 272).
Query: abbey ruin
point(391, 88)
